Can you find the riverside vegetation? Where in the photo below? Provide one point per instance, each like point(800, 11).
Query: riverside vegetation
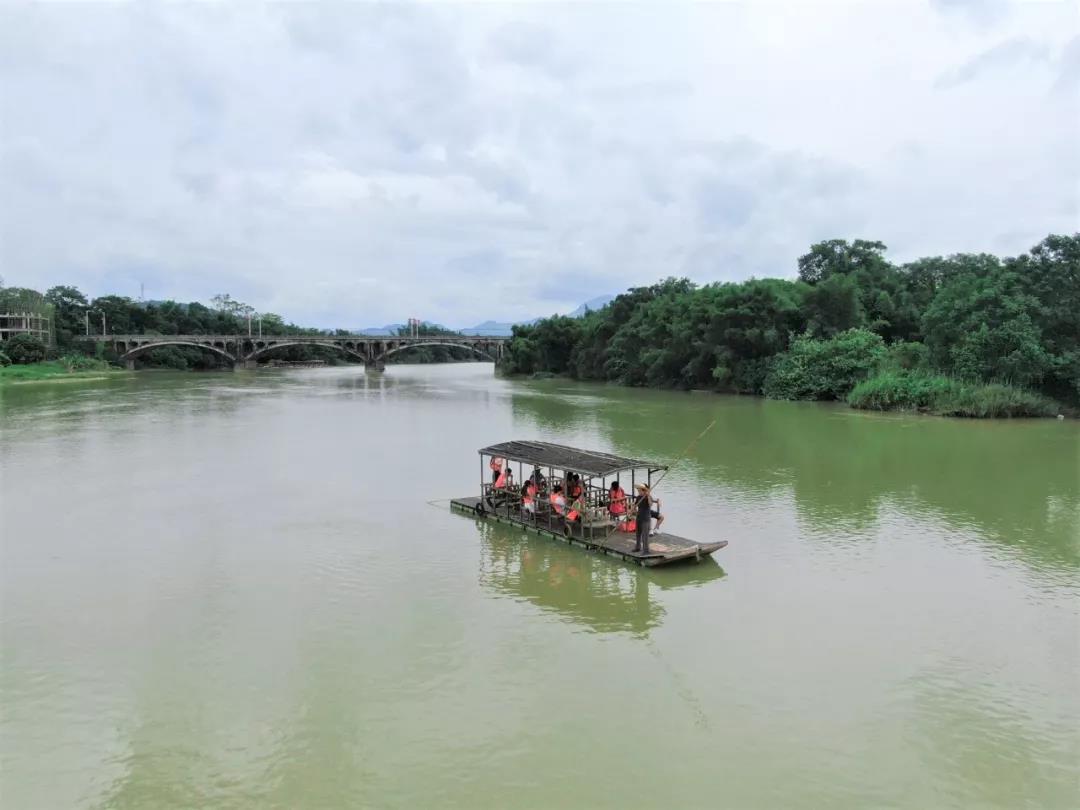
point(963, 335)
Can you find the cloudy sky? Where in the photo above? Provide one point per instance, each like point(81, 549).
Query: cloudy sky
point(351, 165)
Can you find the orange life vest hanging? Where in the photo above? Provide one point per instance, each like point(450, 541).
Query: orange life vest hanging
point(500, 482)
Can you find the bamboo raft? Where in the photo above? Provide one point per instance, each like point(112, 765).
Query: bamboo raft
point(597, 531)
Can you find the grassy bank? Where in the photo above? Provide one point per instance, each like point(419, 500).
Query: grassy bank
point(936, 394)
point(84, 368)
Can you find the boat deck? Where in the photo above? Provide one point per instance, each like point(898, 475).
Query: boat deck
point(664, 548)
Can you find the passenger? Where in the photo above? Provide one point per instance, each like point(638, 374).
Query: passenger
point(558, 500)
point(577, 509)
point(537, 478)
point(528, 497)
point(574, 485)
point(496, 465)
point(643, 502)
point(616, 500)
point(503, 481)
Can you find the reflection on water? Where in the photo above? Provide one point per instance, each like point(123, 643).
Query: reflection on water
point(844, 466)
point(596, 592)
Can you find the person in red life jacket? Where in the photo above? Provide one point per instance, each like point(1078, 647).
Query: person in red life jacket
point(573, 485)
point(558, 500)
point(577, 509)
point(528, 497)
point(616, 500)
point(504, 480)
point(496, 465)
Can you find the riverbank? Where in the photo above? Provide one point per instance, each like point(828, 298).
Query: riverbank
point(915, 392)
point(59, 371)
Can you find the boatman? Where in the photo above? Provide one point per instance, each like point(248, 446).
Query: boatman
point(643, 502)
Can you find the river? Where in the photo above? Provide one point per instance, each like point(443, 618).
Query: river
point(231, 591)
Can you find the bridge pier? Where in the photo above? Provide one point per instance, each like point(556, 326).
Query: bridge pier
point(129, 364)
point(245, 365)
point(375, 365)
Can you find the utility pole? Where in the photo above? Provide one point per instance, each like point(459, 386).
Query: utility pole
point(260, 324)
point(86, 316)
point(249, 322)
point(104, 331)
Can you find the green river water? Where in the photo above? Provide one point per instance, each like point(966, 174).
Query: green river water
point(230, 591)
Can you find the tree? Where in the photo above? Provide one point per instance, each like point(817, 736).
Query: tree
point(981, 326)
point(837, 256)
point(223, 302)
point(23, 349)
point(70, 307)
point(1051, 275)
point(833, 306)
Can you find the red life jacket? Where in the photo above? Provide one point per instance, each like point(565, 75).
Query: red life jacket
point(558, 503)
point(500, 482)
point(628, 526)
point(573, 514)
point(530, 491)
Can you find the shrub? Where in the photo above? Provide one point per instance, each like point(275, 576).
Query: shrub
point(933, 393)
point(995, 400)
point(23, 349)
point(4, 359)
point(80, 362)
point(901, 391)
point(824, 369)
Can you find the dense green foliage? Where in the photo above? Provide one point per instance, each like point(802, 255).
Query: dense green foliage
point(934, 393)
point(23, 349)
point(825, 369)
point(989, 325)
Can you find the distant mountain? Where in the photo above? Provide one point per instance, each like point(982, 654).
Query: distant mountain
point(381, 331)
point(503, 328)
point(492, 328)
point(495, 328)
point(592, 305)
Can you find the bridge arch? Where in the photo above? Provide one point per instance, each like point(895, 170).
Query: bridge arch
point(132, 353)
point(261, 348)
point(418, 345)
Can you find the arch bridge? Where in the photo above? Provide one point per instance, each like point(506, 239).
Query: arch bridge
point(245, 351)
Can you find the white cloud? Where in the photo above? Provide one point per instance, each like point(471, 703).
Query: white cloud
point(349, 164)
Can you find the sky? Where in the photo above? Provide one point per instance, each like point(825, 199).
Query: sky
point(350, 165)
